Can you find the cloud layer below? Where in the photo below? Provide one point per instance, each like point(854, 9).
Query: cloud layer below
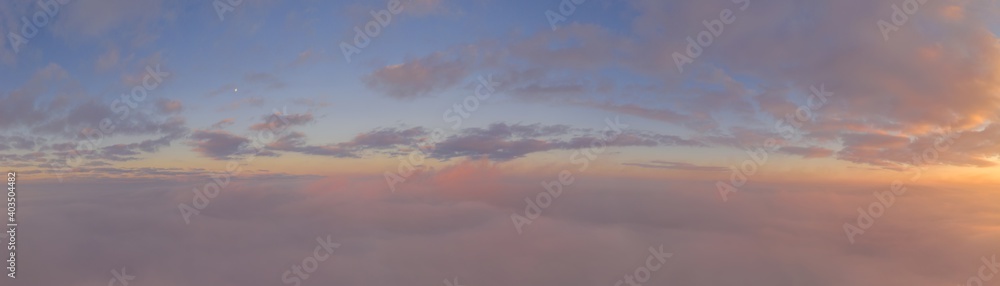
point(456, 222)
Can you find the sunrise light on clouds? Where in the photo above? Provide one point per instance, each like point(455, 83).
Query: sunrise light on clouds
point(447, 142)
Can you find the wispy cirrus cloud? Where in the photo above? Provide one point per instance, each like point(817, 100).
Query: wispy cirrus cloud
point(217, 144)
point(419, 77)
point(660, 164)
point(498, 141)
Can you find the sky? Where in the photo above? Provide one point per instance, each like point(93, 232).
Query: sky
point(482, 142)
